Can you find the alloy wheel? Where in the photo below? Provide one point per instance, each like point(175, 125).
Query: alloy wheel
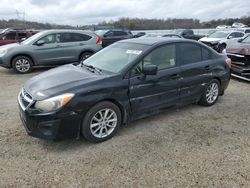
point(103, 123)
point(22, 65)
point(212, 93)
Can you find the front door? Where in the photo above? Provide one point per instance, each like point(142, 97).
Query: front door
point(155, 92)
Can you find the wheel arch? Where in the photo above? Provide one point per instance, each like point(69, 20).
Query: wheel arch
point(86, 50)
point(22, 54)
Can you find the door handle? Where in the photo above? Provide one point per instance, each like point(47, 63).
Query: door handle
point(175, 76)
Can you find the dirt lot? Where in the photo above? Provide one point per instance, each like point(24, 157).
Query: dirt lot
point(191, 147)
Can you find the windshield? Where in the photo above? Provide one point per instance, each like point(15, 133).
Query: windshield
point(115, 57)
point(218, 34)
point(246, 40)
point(32, 38)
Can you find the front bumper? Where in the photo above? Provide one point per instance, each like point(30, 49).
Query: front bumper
point(62, 124)
point(240, 66)
point(4, 62)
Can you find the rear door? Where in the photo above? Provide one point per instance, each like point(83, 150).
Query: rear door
point(196, 68)
point(71, 45)
point(159, 91)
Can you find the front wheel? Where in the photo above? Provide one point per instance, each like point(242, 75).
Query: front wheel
point(22, 64)
point(101, 122)
point(211, 93)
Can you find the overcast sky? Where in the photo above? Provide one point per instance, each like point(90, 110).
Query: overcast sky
point(83, 12)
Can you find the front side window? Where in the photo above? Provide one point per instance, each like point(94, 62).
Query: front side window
point(163, 57)
point(49, 39)
point(189, 53)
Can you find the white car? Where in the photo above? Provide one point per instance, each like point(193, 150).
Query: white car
point(219, 39)
point(238, 25)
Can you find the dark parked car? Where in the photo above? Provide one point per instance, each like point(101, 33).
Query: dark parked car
point(13, 36)
point(113, 35)
point(51, 47)
point(240, 55)
point(188, 34)
point(128, 80)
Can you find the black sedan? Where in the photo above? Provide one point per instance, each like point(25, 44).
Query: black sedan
point(128, 80)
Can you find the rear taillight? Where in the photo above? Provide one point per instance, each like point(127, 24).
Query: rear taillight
point(229, 62)
point(99, 41)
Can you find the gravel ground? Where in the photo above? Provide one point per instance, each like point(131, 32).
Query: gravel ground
point(191, 147)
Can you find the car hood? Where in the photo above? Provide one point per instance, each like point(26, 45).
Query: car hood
point(206, 39)
point(60, 80)
point(239, 48)
point(9, 46)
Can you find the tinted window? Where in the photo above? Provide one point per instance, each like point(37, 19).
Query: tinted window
point(119, 33)
point(163, 57)
point(10, 36)
point(206, 54)
point(247, 31)
point(21, 35)
point(49, 39)
point(189, 53)
point(64, 37)
point(233, 35)
point(238, 34)
point(80, 37)
point(109, 34)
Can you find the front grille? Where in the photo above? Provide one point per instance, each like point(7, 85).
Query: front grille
point(25, 99)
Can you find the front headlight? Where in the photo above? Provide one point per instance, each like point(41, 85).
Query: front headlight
point(54, 103)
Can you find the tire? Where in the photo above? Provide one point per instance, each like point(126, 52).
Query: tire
point(22, 64)
point(221, 48)
point(211, 93)
point(101, 129)
point(85, 55)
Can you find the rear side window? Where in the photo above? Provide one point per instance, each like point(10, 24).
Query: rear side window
point(189, 53)
point(80, 37)
point(206, 54)
point(247, 31)
point(119, 33)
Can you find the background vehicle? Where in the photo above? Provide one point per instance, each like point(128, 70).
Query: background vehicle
point(188, 34)
point(128, 80)
point(240, 55)
point(168, 35)
point(238, 25)
point(219, 39)
point(113, 35)
point(9, 36)
point(139, 34)
point(52, 47)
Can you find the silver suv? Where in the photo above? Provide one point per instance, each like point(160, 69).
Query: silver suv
point(51, 47)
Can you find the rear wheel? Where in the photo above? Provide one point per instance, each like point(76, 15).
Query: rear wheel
point(85, 55)
point(211, 93)
point(22, 64)
point(101, 122)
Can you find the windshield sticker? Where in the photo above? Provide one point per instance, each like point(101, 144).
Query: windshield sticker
point(134, 52)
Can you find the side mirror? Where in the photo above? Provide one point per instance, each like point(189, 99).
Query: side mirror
point(40, 42)
point(240, 40)
point(230, 37)
point(149, 69)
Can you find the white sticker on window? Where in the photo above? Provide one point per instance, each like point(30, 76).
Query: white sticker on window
point(134, 52)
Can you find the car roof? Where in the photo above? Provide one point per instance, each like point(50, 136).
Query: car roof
point(155, 40)
point(51, 31)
